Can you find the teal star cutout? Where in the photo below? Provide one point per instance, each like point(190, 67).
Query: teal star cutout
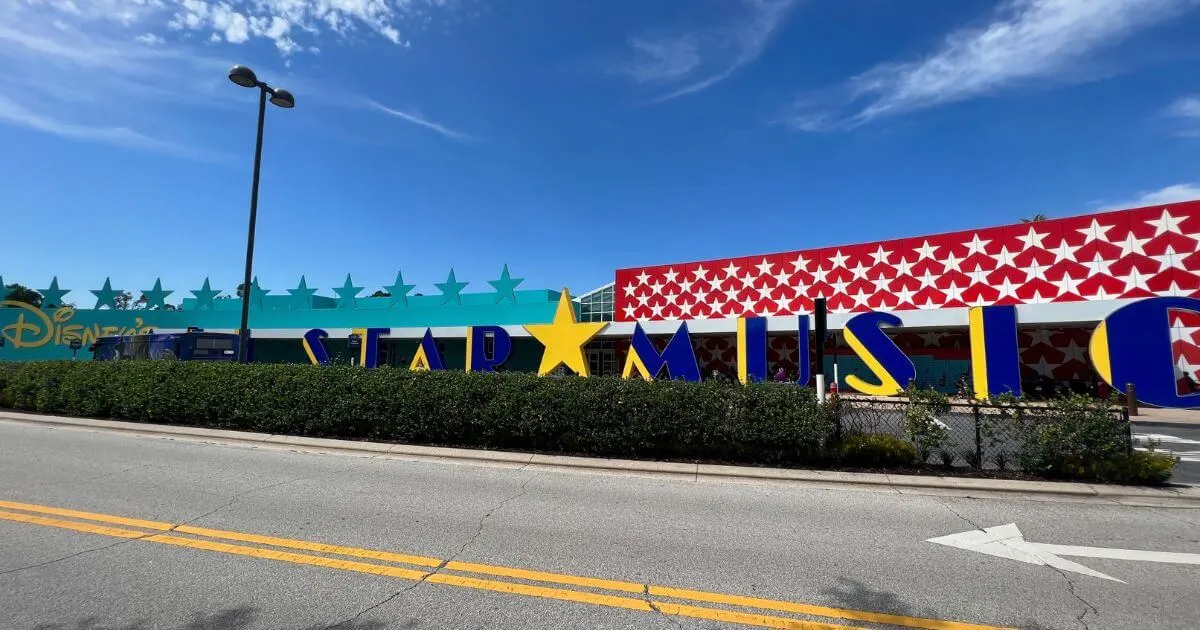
point(504, 286)
point(256, 294)
point(347, 293)
point(399, 290)
point(4, 290)
point(451, 288)
point(302, 296)
point(156, 297)
point(54, 295)
point(106, 296)
point(205, 296)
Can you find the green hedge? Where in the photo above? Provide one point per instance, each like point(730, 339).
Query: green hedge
point(766, 423)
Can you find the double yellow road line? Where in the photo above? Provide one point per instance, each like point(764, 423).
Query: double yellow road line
point(557, 586)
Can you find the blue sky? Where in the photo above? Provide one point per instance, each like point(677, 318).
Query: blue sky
point(567, 138)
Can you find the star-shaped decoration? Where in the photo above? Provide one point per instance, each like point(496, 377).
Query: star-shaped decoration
point(1166, 223)
point(1095, 232)
point(1007, 289)
point(564, 338)
point(1134, 280)
point(156, 297)
point(765, 267)
point(53, 296)
point(205, 296)
point(347, 294)
point(106, 295)
point(979, 276)
point(670, 275)
point(838, 259)
point(1099, 266)
point(1033, 239)
point(302, 296)
point(926, 251)
point(700, 273)
point(1169, 259)
point(256, 294)
point(952, 262)
point(643, 277)
point(451, 289)
point(800, 264)
point(1073, 352)
point(400, 290)
point(1004, 258)
point(1064, 251)
point(977, 245)
point(1131, 245)
point(881, 256)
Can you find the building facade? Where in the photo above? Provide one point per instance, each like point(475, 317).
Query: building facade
point(1062, 277)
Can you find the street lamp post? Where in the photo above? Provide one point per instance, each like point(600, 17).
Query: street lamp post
point(245, 77)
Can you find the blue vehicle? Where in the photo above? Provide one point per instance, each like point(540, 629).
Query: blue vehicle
point(188, 346)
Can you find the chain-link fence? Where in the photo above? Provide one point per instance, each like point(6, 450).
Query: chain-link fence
point(972, 434)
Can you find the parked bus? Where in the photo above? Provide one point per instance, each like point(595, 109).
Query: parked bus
point(188, 346)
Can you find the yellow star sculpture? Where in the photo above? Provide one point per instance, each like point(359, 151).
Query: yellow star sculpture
point(564, 338)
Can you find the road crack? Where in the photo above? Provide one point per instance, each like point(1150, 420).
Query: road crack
point(655, 608)
point(956, 513)
point(1087, 606)
point(520, 492)
point(240, 495)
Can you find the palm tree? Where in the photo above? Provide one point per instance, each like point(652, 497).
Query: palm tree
point(1034, 218)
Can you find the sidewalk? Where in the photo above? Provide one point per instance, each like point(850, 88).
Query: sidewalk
point(1168, 416)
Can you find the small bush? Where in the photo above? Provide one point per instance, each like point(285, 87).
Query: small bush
point(877, 450)
point(1071, 437)
point(921, 422)
point(1139, 467)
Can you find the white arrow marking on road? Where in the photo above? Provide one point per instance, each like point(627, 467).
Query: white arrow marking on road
point(1006, 541)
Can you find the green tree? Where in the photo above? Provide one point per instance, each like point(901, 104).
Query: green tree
point(381, 293)
point(123, 300)
point(1034, 219)
point(22, 293)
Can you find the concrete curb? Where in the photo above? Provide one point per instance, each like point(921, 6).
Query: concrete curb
point(1174, 496)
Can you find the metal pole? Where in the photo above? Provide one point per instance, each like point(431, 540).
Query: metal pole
point(819, 368)
point(244, 331)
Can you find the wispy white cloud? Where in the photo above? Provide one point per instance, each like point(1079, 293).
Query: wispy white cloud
point(685, 63)
point(138, 73)
point(423, 122)
point(14, 113)
point(1027, 41)
point(1186, 111)
point(1174, 193)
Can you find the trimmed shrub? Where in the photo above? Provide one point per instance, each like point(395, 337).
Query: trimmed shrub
point(877, 450)
point(1138, 467)
point(765, 423)
point(1071, 437)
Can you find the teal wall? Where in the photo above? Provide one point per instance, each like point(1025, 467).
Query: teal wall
point(38, 334)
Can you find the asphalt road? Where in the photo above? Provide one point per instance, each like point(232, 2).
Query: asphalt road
point(236, 537)
point(1180, 439)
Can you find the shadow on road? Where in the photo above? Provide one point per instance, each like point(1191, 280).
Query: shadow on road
point(854, 594)
point(229, 619)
